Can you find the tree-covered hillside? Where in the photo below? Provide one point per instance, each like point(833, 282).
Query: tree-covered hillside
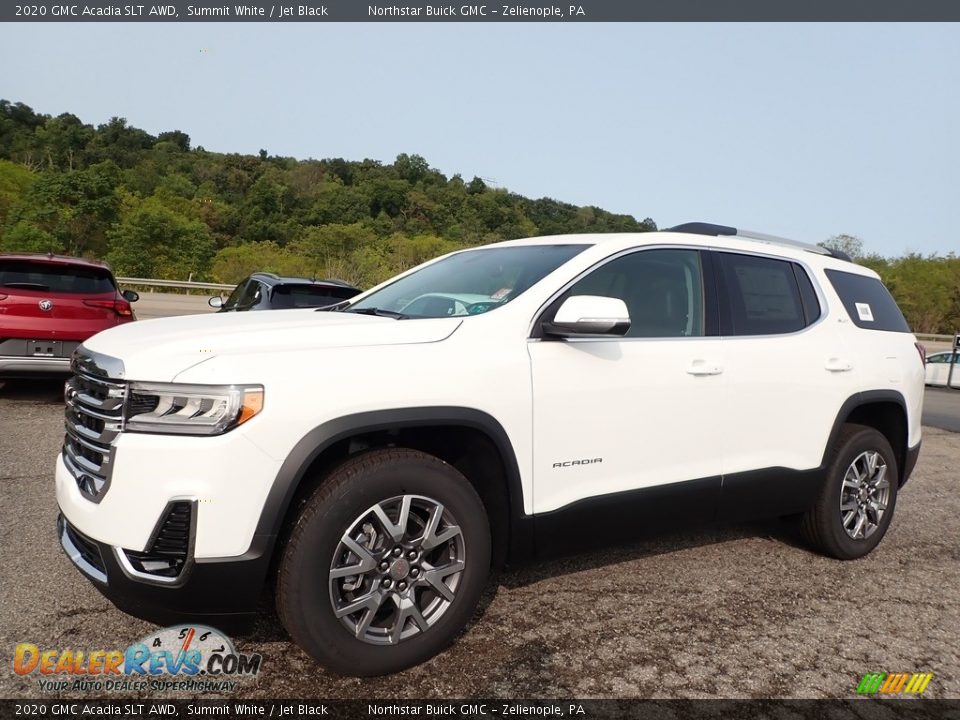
point(158, 207)
point(154, 206)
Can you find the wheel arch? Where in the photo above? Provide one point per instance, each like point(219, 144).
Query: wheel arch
point(883, 410)
point(486, 458)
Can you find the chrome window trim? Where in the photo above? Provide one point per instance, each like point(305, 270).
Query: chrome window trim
point(825, 310)
point(601, 263)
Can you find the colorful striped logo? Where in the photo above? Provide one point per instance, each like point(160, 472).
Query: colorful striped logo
point(894, 683)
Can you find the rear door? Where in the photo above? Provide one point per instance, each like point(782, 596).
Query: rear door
point(787, 375)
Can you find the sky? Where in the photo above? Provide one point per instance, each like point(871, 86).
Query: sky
point(799, 130)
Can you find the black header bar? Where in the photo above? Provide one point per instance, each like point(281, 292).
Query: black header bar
point(481, 11)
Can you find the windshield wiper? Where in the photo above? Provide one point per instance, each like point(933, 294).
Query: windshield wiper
point(380, 312)
point(26, 285)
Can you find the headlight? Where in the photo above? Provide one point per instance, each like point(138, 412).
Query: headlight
point(190, 409)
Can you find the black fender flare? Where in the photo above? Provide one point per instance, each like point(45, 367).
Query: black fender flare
point(316, 441)
point(869, 397)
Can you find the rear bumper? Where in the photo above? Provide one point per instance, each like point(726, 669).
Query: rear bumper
point(913, 454)
point(14, 366)
point(222, 592)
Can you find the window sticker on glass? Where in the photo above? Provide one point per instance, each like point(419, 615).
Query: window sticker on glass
point(864, 311)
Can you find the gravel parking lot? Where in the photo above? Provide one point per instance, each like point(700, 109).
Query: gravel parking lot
point(740, 611)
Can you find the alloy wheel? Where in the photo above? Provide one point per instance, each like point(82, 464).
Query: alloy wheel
point(864, 495)
point(396, 569)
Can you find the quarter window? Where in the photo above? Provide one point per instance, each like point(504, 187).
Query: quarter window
point(663, 291)
point(868, 302)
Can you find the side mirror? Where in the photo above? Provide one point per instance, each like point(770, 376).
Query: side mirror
point(589, 315)
point(130, 295)
point(215, 302)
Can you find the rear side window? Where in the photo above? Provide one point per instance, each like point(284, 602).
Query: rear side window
point(764, 295)
point(868, 303)
point(307, 296)
point(55, 278)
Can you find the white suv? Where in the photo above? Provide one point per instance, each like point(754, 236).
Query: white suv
point(373, 462)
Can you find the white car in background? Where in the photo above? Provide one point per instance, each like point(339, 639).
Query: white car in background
point(938, 369)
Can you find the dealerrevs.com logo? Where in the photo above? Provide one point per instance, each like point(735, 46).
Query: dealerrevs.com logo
point(894, 683)
point(182, 657)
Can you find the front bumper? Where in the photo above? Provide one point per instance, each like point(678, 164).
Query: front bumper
point(223, 592)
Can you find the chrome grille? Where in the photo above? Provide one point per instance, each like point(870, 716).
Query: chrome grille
point(94, 418)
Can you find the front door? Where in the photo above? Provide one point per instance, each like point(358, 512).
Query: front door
point(636, 413)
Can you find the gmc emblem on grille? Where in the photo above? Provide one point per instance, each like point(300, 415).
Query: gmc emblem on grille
point(46, 305)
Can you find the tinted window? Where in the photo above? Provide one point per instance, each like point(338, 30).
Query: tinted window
point(663, 291)
point(307, 296)
point(764, 298)
point(235, 295)
point(475, 280)
point(867, 302)
point(51, 277)
point(251, 296)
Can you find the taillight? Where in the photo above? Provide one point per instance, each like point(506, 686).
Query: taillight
point(120, 307)
point(923, 353)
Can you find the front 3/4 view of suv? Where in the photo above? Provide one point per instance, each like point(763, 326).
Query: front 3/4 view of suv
point(372, 461)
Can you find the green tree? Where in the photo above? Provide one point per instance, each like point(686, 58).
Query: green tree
point(15, 184)
point(154, 241)
point(77, 207)
point(851, 245)
point(24, 237)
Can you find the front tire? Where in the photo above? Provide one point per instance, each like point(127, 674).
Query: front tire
point(386, 563)
point(856, 504)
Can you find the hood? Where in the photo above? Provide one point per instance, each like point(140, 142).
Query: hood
point(160, 349)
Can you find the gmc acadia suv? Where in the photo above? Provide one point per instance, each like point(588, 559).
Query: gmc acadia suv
point(371, 462)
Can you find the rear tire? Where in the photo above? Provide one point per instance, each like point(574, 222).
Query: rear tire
point(856, 505)
point(387, 533)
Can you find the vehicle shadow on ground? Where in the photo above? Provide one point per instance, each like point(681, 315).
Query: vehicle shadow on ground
point(49, 392)
point(603, 554)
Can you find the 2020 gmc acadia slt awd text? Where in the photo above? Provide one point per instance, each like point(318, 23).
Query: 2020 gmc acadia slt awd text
point(373, 461)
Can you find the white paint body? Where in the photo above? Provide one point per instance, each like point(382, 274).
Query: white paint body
point(657, 411)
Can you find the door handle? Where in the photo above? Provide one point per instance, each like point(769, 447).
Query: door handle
point(838, 365)
point(702, 367)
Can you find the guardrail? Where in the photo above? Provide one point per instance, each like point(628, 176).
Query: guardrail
point(174, 284)
point(939, 338)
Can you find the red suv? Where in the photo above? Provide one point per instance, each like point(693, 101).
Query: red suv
point(49, 304)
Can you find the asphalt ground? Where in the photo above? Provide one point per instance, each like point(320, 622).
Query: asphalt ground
point(941, 408)
point(743, 611)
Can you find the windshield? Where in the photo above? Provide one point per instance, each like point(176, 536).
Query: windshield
point(469, 282)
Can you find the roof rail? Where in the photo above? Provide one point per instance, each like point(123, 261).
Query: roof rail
point(702, 228)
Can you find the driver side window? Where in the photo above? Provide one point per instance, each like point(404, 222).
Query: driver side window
point(663, 291)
